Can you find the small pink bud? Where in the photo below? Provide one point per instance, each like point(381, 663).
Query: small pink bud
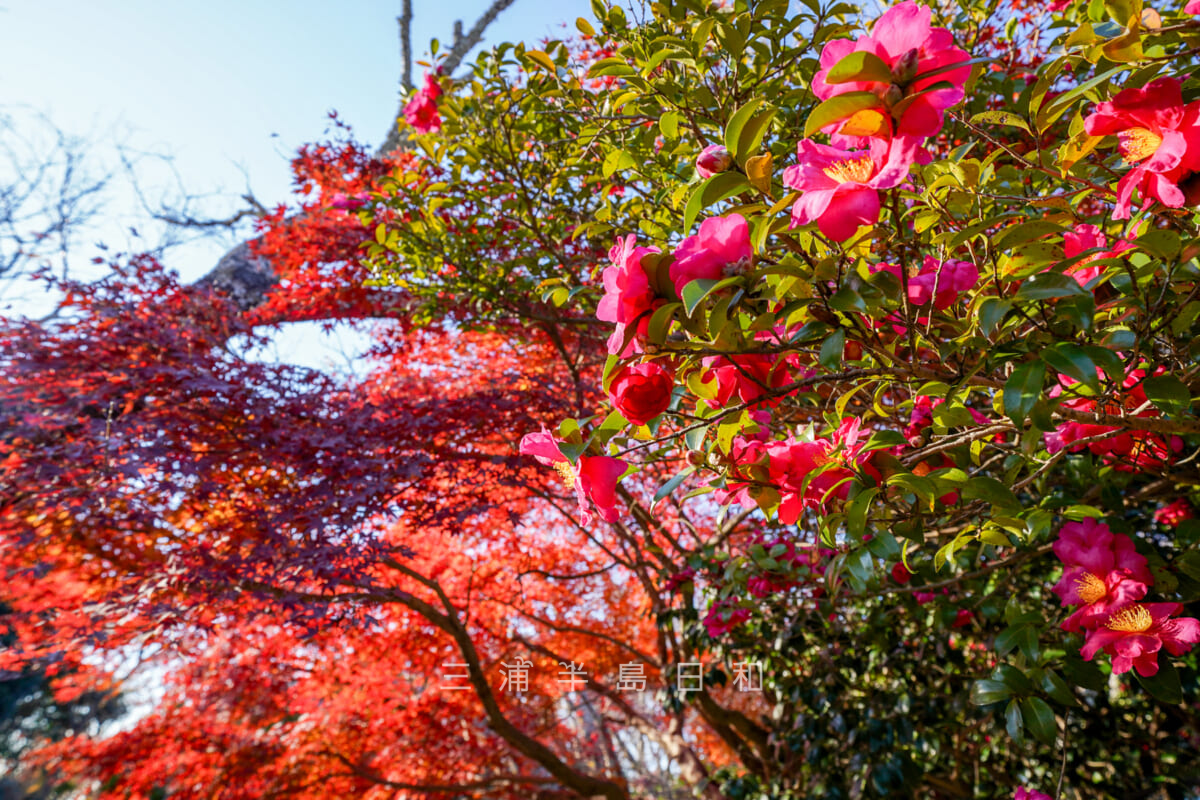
point(905, 68)
point(713, 159)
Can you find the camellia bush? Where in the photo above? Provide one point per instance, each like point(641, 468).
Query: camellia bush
point(848, 350)
point(918, 293)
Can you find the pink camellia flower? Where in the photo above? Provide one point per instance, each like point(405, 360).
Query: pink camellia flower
point(713, 159)
point(938, 281)
point(723, 617)
point(841, 187)
point(1157, 134)
point(678, 579)
point(1089, 237)
point(962, 618)
point(595, 479)
point(922, 417)
point(721, 247)
point(906, 41)
point(641, 391)
point(1176, 512)
point(1126, 450)
point(422, 111)
point(900, 574)
point(807, 476)
point(1031, 794)
point(747, 472)
point(344, 202)
point(1134, 635)
point(628, 296)
point(746, 377)
point(1193, 7)
point(1102, 572)
point(627, 290)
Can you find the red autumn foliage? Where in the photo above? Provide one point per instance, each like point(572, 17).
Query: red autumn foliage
point(305, 553)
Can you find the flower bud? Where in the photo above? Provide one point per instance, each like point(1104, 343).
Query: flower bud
point(893, 95)
point(713, 159)
point(641, 391)
point(734, 268)
point(905, 68)
point(696, 458)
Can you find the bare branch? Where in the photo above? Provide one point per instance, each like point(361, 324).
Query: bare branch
point(406, 59)
point(464, 44)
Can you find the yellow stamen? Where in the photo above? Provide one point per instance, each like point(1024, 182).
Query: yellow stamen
point(1138, 144)
point(851, 170)
point(1134, 619)
point(1091, 588)
point(566, 471)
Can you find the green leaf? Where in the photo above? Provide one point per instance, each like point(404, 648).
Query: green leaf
point(1040, 719)
point(992, 312)
point(695, 291)
point(1023, 232)
point(1070, 359)
point(1047, 285)
point(1022, 390)
point(668, 487)
point(745, 130)
point(541, 59)
point(1160, 243)
point(1057, 688)
point(838, 108)
point(660, 322)
point(752, 135)
point(617, 159)
point(1028, 259)
point(668, 123)
point(832, 349)
point(985, 692)
point(1164, 686)
point(1168, 393)
point(733, 128)
point(952, 67)
point(983, 487)
point(860, 66)
point(1055, 107)
point(1013, 722)
point(1001, 118)
point(713, 190)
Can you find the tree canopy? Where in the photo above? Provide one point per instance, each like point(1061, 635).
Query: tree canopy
point(799, 397)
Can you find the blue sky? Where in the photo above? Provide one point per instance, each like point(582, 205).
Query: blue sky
point(228, 88)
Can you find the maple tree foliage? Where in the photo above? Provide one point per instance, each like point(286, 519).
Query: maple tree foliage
point(311, 543)
point(858, 419)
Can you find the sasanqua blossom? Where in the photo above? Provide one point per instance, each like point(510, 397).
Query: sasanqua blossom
point(721, 247)
point(1082, 239)
point(641, 391)
point(1157, 135)
point(594, 479)
point(840, 188)
point(1134, 635)
point(422, 110)
point(910, 46)
point(1102, 572)
point(1032, 794)
point(938, 281)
